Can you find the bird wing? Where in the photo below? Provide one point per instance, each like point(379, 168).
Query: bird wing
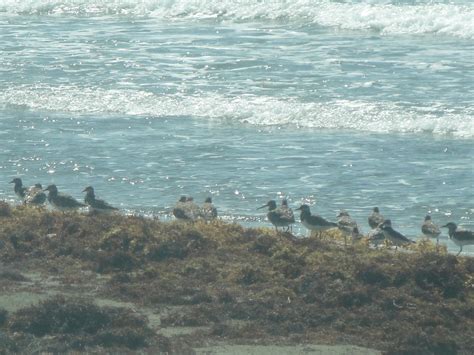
point(38, 197)
point(22, 191)
point(179, 213)
point(315, 219)
point(397, 235)
point(347, 222)
point(288, 214)
point(465, 236)
point(101, 204)
point(281, 215)
point(68, 201)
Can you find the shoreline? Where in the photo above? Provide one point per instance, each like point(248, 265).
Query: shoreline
point(222, 288)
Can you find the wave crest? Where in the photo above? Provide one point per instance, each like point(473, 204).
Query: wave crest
point(387, 18)
point(259, 111)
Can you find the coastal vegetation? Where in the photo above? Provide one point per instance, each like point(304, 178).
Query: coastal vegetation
point(115, 283)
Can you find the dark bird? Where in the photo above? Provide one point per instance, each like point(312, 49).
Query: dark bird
point(19, 189)
point(392, 235)
point(375, 219)
point(208, 211)
point(96, 205)
point(61, 201)
point(183, 209)
point(460, 237)
point(35, 195)
point(314, 222)
point(430, 230)
point(346, 224)
point(277, 216)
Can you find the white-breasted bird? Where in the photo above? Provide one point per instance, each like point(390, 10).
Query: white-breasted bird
point(314, 222)
point(96, 205)
point(460, 237)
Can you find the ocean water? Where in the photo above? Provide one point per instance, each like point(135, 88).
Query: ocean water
point(339, 104)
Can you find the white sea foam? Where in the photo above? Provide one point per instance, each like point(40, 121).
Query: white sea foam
point(386, 17)
point(259, 111)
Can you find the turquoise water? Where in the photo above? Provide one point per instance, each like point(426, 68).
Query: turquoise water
point(339, 104)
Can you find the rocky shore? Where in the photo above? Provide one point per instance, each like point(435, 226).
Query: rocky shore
point(114, 283)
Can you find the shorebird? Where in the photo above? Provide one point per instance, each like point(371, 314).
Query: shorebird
point(96, 205)
point(19, 189)
point(276, 216)
point(346, 224)
point(314, 222)
point(35, 195)
point(192, 207)
point(179, 209)
point(284, 208)
point(61, 201)
point(392, 235)
point(430, 230)
point(183, 209)
point(375, 219)
point(460, 237)
point(376, 235)
point(208, 211)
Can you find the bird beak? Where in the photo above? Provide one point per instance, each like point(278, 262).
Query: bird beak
point(262, 206)
point(298, 209)
point(84, 190)
point(12, 182)
point(445, 226)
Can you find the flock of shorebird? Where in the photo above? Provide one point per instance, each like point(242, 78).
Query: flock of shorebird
point(280, 216)
point(381, 228)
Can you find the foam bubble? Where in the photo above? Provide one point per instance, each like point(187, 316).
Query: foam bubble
point(248, 109)
point(451, 19)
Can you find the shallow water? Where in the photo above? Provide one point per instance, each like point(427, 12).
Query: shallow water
point(347, 104)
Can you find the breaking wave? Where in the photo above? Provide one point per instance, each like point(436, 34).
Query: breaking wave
point(383, 16)
point(255, 110)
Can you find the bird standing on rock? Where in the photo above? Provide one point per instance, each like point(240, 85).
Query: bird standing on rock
point(35, 195)
point(392, 235)
point(19, 189)
point(185, 209)
point(346, 225)
point(314, 222)
point(208, 211)
point(287, 211)
point(62, 201)
point(375, 219)
point(460, 237)
point(277, 216)
point(96, 205)
point(430, 230)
